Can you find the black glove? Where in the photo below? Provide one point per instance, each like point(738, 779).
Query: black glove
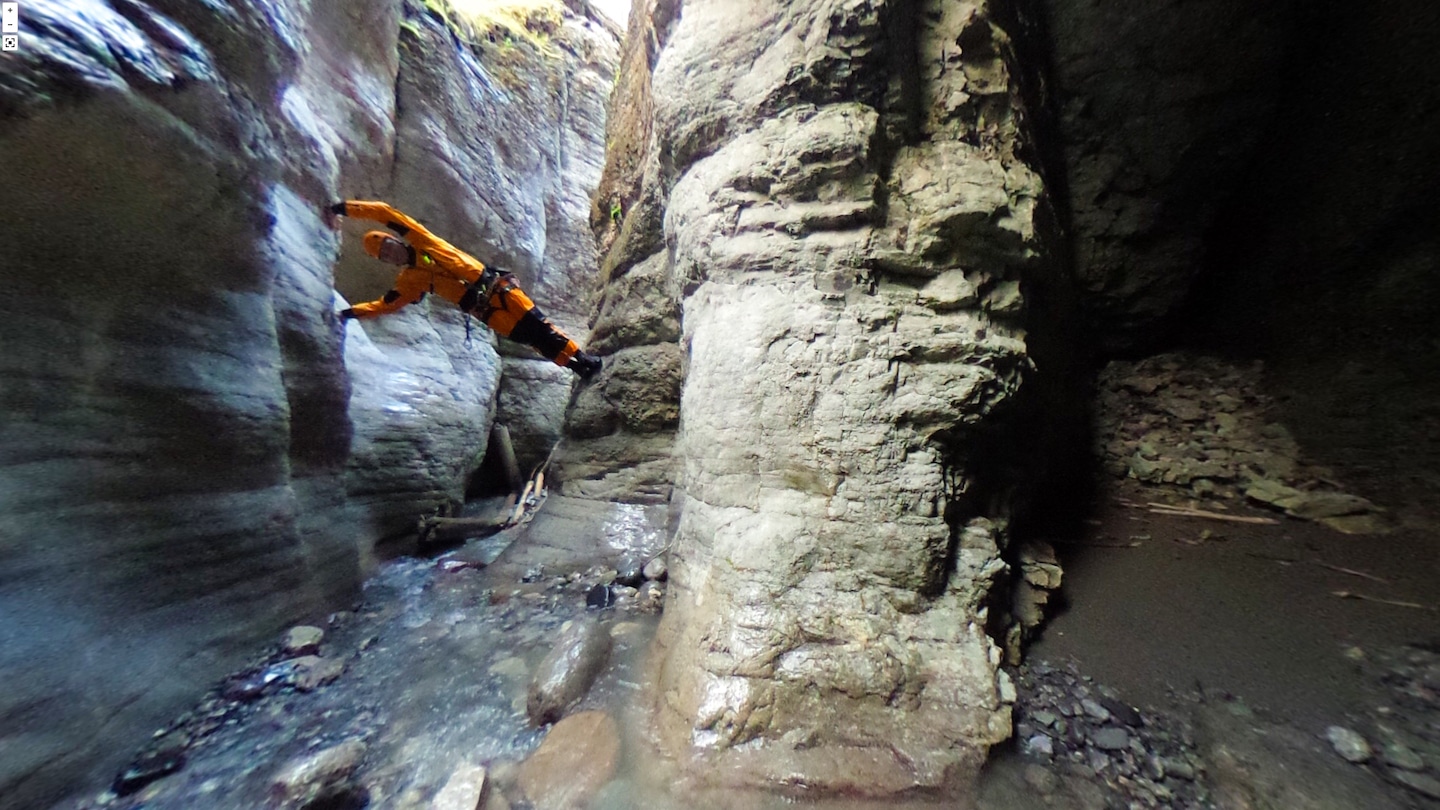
point(584, 364)
point(347, 314)
point(338, 208)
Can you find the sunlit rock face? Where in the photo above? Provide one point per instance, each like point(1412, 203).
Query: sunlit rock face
point(849, 220)
point(194, 452)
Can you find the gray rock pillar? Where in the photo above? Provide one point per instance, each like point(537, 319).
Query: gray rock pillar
point(849, 225)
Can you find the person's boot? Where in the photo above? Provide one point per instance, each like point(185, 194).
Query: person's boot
point(586, 365)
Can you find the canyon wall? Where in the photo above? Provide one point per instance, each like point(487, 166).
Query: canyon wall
point(193, 451)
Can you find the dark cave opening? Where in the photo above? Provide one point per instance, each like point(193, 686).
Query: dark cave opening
point(1318, 273)
point(1323, 261)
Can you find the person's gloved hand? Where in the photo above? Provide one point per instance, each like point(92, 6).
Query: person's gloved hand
point(332, 213)
point(347, 314)
point(585, 364)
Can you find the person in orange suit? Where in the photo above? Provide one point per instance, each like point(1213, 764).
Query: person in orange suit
point(429, 264)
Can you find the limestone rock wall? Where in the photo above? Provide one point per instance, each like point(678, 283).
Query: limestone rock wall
point(193, 451)
point(497, 147)
point(620, 434)
point(1159, 107)
point(174, 438)
point(851, 223)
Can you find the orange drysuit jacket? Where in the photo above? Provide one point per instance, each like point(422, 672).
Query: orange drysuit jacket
point(451, 273)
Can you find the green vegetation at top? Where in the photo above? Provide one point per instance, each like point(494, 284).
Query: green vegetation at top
point(502, 23)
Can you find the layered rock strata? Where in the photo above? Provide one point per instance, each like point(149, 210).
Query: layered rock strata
point(174, 438)
point(498, 147)
point(849, 217)
point(620, 435)
point(195, 452)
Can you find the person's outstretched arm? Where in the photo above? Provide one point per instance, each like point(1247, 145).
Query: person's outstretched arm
point(405, 226)
point(409, 288)
point(381, 212)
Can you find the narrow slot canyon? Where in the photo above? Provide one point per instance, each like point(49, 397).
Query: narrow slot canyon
point(567, 405)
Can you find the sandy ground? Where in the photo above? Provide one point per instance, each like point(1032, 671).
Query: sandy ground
point(1155, 605)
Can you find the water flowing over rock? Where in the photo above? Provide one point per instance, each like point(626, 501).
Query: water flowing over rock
point(567, 671)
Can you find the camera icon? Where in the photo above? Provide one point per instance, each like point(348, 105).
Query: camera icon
point(10, 42)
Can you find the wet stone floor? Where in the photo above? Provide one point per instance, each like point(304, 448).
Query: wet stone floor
point(426, 680)
point(426, 675)
point(434, 676)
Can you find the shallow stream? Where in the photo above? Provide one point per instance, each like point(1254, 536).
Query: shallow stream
point(437, 660)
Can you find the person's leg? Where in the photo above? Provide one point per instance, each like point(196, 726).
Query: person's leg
point(536, 331)
point(532, 328)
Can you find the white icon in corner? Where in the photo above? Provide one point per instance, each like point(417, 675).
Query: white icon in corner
point(10, 42)
point(10, 22)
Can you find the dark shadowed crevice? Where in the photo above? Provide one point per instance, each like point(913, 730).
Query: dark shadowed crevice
point(903, 109)
point(1324, 264)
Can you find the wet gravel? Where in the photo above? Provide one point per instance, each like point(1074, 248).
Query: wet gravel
point(1087, 731)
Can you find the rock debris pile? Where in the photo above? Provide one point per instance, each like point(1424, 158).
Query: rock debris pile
point(1139, 759)
point(1199, 425)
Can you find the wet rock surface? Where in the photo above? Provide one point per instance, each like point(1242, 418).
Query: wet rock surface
point(578, 756)
point(431, 706)
point(565, 674)
point(219, 468)
point(174, 477)
point(423, 681)
point(465, 789)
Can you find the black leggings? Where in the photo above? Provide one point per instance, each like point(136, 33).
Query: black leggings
point(533, 330)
